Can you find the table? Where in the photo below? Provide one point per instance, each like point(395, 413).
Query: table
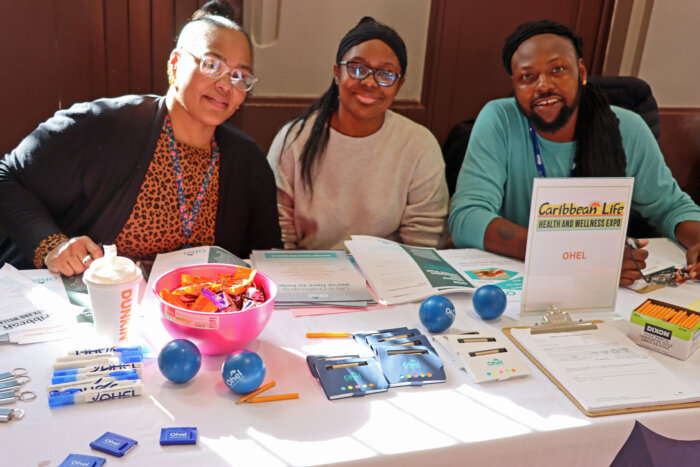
point(525, 421)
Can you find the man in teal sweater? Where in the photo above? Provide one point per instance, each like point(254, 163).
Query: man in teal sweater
point(576, 133)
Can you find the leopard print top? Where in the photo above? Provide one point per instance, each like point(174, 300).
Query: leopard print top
point(155, 225)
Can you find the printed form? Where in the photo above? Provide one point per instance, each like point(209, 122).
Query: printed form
point(604, 370)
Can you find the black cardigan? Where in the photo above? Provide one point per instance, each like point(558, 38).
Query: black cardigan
point(80, 172)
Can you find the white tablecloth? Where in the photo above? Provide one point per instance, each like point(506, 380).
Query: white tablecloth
point(525, 421)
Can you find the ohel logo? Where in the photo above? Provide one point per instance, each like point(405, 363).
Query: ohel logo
point(411, 364)
point(352, 376)
point(234, 377)
point(495, 362)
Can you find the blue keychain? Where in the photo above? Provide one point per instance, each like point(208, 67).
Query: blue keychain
point(16, 374)
point(9, 396)
point(10, 414)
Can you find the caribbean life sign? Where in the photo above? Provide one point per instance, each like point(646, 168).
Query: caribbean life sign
point(575, 243)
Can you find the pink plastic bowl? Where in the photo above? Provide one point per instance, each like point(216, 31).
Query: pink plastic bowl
point(214, 333)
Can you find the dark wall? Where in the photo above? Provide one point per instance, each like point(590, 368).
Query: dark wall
point(58, 52)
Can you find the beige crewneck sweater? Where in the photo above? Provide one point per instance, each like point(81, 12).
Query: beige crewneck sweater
point(390, 184)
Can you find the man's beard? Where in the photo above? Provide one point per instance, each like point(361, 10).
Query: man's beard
point(561, 119)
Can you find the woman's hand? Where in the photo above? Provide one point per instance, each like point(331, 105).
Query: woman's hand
point(74, 256)
point(630, 272)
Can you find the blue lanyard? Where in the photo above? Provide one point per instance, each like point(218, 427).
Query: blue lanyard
point(538, 154)
point(188, 218)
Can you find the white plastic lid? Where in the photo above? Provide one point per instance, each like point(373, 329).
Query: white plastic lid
point(111, 269)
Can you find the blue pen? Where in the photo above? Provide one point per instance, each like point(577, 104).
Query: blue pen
point(75, 396)
point(121, 355)
point(104, 350)
point(92, 370)
point(97, 361)
point(118, 375)
point(94, 384)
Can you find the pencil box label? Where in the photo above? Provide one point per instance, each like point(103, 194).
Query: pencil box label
point(651, 329)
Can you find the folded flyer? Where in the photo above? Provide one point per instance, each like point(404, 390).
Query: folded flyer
point(399, 273)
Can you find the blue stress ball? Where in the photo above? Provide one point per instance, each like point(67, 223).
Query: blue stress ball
point(436, 313)
point(489, 301)
point(179, 360)
point(243, 371)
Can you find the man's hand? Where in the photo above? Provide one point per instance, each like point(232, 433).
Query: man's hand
point(693, 258)
point(688, 234)
point(630, 272)
point(73, 257)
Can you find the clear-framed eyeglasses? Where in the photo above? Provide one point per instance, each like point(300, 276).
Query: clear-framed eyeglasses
point(214, 68)
point(360, 71)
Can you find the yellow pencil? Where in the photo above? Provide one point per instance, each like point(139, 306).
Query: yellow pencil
point(262, 388)
point(643, 307)
point(668, 315)
point(278, 397)
point(655, 311)
point(684, 322)
point(327, 334)
point(679, 317)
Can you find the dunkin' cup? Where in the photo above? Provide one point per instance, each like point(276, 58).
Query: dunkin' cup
point(113, 284)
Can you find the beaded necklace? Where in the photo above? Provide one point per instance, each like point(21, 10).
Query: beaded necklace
point(188, 218)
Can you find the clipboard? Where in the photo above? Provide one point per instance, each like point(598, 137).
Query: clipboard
point(556, 320)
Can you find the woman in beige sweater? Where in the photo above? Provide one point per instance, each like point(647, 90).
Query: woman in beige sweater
point(349, 166)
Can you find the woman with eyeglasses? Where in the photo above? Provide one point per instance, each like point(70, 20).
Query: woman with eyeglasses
point(150, 174)
point(348, 165)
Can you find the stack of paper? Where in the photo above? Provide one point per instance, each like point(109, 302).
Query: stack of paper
point(603, 370)
point(318, 277)
point(31, 312)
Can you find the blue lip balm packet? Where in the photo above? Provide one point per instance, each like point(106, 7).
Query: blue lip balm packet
point(178, 436)
point(114, 444)
point(80, 459)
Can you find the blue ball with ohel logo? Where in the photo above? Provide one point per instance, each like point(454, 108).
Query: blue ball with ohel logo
point(243, 371)
point(436, 313)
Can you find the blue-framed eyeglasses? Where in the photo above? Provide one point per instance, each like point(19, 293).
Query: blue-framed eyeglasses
point(214, 68)
point(360, 71)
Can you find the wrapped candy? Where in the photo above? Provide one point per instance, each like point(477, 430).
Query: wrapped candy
point(224, 293)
